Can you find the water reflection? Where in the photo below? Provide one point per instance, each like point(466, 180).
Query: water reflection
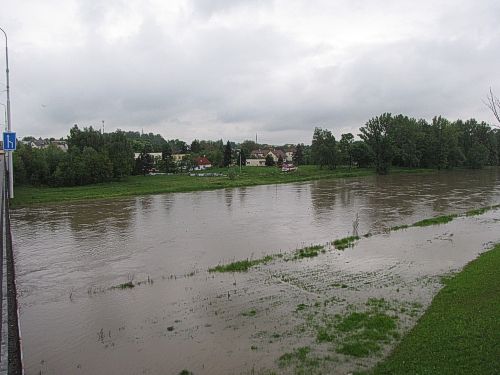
point(102, 242)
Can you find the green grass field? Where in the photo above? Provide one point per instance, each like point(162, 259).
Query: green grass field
point(144, 185)
point(460, 332)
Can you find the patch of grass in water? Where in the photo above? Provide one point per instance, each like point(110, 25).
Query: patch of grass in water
point(344, 243)
point(127, 285)
point(308, 252)
point(399, 227)
point(241, 265)
point(249, 313)
point(302, 361)
point(435, 220)
point(364, 331)
point(301, 306)
point(378, 303)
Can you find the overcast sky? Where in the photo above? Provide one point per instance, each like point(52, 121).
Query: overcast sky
point(233, 68)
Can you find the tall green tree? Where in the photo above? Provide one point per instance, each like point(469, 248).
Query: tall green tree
point(376, 135)
point(345, 146)
point(324, 149)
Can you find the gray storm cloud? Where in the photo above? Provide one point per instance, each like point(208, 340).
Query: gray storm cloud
point(230, 69)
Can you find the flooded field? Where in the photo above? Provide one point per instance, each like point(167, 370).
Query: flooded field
point(74, 263)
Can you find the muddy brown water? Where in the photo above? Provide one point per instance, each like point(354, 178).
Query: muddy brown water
point(182, 317)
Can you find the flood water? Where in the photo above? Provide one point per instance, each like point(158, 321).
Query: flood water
point(68, 257)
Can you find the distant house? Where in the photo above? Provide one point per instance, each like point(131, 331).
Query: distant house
point(262, 154)
point(256, 162)
point(258, 154)
point(44, 143)
point(177, 158)
point(60, 144)
point(155, 155)
point(37, 143)
point(276, 154)
point(201, 163)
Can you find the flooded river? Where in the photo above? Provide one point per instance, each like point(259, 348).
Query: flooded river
point(178, 316)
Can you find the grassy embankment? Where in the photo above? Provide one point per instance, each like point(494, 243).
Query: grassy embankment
point(144, 185)
point(460, 332)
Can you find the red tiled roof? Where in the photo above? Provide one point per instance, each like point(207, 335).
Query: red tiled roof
point(202, 161)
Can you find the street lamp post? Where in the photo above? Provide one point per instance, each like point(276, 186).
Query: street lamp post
point(9, 125)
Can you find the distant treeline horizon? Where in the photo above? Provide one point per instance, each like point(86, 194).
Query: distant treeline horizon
point(386, 140)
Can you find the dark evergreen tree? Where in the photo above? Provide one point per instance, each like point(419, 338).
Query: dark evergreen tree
point(227, 155)
point(269, 160)
point(298, 155)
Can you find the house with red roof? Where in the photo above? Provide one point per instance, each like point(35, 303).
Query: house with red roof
point(201, 163)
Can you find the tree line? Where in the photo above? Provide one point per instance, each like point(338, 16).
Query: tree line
point(92, 157)
point(401, 141)
point(385, 141)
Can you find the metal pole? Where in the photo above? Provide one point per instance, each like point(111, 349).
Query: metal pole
point(5, 115)
point(9, 120)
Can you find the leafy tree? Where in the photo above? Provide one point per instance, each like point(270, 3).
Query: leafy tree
point(120, 153)
point(324, 149)
point(361, 154)
point(144, 163)
point(376, 135)
point(404, 137)
point(248, 146)
point(187, 163)
point(477, 156)
point(345, 146)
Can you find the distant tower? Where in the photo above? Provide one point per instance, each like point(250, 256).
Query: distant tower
point(102, 126)
point(256, 139)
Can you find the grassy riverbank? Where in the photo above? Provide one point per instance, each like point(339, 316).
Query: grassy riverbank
point(460, 332)
point(144, 185)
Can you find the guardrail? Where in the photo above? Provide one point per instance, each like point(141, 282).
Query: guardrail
point(11, 358)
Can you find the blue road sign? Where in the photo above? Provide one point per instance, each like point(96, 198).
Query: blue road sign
point(9, 141)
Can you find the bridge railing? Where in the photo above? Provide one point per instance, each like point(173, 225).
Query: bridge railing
point(11, 358)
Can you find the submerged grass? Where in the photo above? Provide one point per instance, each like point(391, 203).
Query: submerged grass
point(460, 332)
point(358, 334)
point(249, 313)
point(241, 265)
point(127, 285)
point(435, 220)
point(446, 218)
point(344, 243)
point(303, 361)
point(308, 252)
point(482, 210)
